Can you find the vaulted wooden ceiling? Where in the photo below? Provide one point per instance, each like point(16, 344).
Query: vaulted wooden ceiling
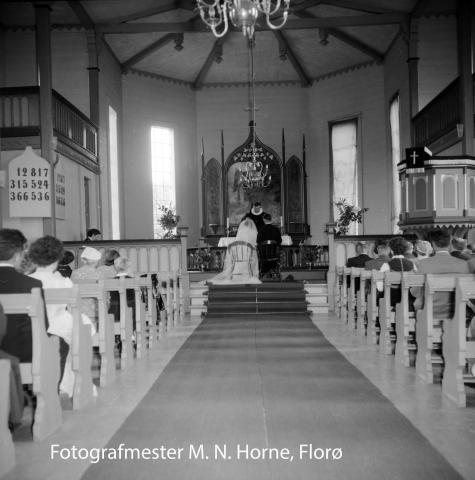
point(167, 38)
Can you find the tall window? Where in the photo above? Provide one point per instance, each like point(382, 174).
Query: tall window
point(345, 165)
point(396, 158)
point(163, 173)
point(114, 174)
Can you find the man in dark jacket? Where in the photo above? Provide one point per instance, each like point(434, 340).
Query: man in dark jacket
point(269, 231)
point(17, 339)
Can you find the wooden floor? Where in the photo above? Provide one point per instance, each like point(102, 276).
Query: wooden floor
point(449, 429)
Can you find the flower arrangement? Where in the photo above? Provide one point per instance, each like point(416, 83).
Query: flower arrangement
point(347, 215)
point(204, 258)
point(168, 221)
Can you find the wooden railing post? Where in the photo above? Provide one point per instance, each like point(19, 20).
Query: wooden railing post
point(184, 277)
point(331, 265)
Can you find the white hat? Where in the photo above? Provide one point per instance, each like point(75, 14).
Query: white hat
point(90, 253)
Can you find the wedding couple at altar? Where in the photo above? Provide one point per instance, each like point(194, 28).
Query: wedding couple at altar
point(241, 264)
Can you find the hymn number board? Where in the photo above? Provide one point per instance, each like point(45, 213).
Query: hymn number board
point(29, 182)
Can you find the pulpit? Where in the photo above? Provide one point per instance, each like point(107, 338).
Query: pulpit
point(437, 192)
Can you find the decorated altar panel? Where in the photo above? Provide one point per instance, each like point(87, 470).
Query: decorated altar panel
point(239, 199)
point(253, 172)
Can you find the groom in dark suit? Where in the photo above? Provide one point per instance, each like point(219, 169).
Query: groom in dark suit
point(17, 339)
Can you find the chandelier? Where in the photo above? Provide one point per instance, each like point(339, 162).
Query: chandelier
point(242, 13)
point(255, 173)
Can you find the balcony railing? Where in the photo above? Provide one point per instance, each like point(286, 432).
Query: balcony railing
point(305, 257)
point(438, 117)
point(20, 117)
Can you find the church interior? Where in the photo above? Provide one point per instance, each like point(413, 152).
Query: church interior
point(162, 124)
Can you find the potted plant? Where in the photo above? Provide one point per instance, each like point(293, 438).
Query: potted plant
point(348, 214)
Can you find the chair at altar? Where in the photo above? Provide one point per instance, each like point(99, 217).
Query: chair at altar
point(240, 266)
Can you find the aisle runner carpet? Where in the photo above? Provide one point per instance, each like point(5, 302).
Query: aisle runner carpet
point(268, 382)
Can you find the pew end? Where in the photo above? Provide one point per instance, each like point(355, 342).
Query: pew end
point(44, 370)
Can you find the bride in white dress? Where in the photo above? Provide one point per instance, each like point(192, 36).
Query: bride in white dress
point(237, 268)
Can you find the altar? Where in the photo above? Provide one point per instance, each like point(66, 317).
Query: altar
point(226, 198)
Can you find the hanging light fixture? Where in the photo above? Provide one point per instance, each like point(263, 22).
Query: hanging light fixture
point(242, 13)
point(255, 174)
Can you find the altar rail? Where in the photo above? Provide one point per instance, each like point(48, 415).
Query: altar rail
point(292, 258)
point(147, 256)
point(20, 117)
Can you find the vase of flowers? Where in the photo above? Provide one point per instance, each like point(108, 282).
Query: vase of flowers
point(168, 221)
point(347, 214)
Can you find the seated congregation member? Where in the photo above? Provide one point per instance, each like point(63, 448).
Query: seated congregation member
point(382, 251)
point(398, 263)
point(459, 249)
point(423, 249)
point(108, 270)
point(92, 235)
point(409, 253)
point(359, 261)
point(88, 272)
point(45, 253)
point(64, 267)
point(17, 339)
point(441, 262)
point(235, 269)
point(16, 386)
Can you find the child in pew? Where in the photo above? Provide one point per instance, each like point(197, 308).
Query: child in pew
point(64, 266)
point(88, 272)
point(45, 253)
point(122, 266)
point(108, 270)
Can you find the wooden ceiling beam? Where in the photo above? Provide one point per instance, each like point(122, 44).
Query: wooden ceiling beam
point(148, 50)
point(217, 48)
point(81, 13)
point(300, 24)
point(348, 39)
point(359, 6)
point(149, 12)
point(283, 43)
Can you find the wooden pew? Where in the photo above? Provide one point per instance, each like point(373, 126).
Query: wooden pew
point(338, 290)
point(124, 327)
point(81, 347)
point(372, 307)
point(429, 328)
point(152, 333)
point(351, 302)
point(105, 328)
point(387, 313)
point(406, 320)
point(456, 349)
point(44, 370)
point(7, 449)
point(361, 302)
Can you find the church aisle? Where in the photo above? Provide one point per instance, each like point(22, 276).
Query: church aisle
point(267, 382)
